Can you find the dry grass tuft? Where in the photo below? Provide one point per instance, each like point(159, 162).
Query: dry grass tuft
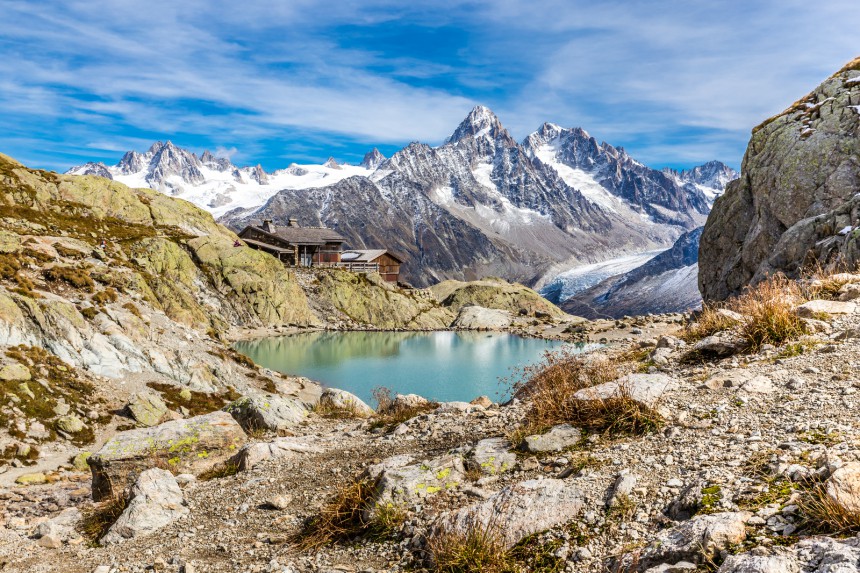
point(351, 512)
point(550, 389)
point(709, 322)
point(98, 519)
point(390, 414)
point(478, 550)
point(768, 310)
point(219, 471)
point(822, 514)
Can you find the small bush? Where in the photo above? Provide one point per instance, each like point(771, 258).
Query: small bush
point(390, 414)
point(822, 514)
point(480, 549)
point(552, 385)
point(78, 278)
point(349, 513)
point(68, 252)
point(98, 519)
point(222, 470)
point(105, 296)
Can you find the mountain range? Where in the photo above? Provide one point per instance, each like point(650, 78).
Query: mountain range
point(479, 204)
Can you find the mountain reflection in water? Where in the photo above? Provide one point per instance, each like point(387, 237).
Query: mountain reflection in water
point(441, 366)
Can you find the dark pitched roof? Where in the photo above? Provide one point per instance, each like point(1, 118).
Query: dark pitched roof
point(305, 235)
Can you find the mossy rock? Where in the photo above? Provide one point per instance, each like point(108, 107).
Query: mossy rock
point(15, 373)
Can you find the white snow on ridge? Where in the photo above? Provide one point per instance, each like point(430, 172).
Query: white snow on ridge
point(221, 192)
point(580, 180)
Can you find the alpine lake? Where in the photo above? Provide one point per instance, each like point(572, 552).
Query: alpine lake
point(442, 366)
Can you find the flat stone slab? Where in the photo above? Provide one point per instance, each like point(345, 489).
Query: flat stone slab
point(517, 511)
point(814, 308)
point(558, 438)
point(402, 481)
point(192, 445)
point(646, 389)
point(253, 454)
point(492, 456)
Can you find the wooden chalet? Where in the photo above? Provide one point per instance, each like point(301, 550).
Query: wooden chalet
point(378, 260)
point(295, 245)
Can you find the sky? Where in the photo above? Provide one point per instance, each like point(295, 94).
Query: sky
point(676, 83)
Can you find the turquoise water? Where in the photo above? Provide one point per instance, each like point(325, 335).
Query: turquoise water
point(441, 366)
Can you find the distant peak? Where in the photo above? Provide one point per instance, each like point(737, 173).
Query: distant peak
point(331, 163)
point(480, 122)
point(372, 159)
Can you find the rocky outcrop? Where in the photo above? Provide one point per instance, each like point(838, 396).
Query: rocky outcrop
point(496, 294)
point(267, 412)
point(796, 201)
point(480, 318)
point(191, 445)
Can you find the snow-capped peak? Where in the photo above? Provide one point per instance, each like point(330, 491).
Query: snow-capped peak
point(372, 159)
point(481, 122)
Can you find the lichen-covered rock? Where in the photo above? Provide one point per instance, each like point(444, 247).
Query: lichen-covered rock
point(496, 294)
point(156, 501)
point(401, 480)
point(480, 318)
point(267, 412)
point(367, 299)
point(341, 400)
point(14, 373)
point(71, 424)
point(558, 438)
point(191, 445)
point(492, 456)
point(517, 511)
point(147, 408)
point(796, 197)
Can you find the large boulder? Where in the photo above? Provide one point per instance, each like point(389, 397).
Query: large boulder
point(253, 454)
point(843, 487)
point(797, 195)
point(517, 511)
point(343, 401)
point(401, 480)
point(558, 438)
point(480, 318)
point(267, 412)
point(147, 408)
point(156, 500)
point(192, 445)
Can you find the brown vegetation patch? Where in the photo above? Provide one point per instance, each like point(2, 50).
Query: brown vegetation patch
point(390, 414)
point(76, 277)
point(98, 518)
point(196, 403)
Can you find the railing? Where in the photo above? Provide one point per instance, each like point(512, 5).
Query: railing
point(353, 267)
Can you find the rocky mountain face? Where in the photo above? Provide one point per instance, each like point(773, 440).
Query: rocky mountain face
point(666, 283)
point(796, 201)
point(484, 204)
point(480, 204)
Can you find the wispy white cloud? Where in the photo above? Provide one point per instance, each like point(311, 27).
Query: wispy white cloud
point(672, 81)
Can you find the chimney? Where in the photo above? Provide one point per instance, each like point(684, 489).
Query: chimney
point(293, 222)
point(268, 226)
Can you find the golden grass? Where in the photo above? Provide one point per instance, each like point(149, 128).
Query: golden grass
point(550, 388)
point(222, 470)
point(823, 514)
point(351, 512)
point(390, 414)
point(767, 311)
point(477, 550)
point(98, 519)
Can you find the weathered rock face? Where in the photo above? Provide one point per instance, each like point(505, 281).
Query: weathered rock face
point(480, 318)
point(796, 198)
point(156, 501)
point(494, 293)
point(267, 412)
point(190, 445)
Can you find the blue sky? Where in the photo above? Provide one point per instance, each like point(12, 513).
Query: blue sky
point(675, 83)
